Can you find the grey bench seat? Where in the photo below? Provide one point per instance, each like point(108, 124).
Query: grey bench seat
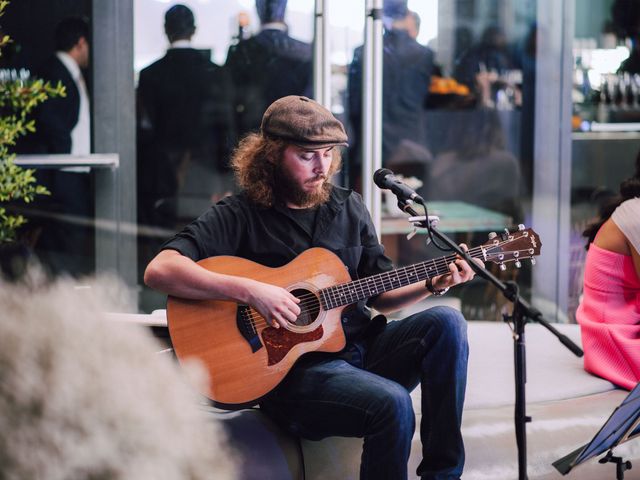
point(567, 404)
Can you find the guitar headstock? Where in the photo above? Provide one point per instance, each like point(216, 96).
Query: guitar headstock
point(512, 247)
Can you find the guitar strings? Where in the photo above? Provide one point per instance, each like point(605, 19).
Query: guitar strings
point(256, 320)
point(311, 300)
point(255, 317)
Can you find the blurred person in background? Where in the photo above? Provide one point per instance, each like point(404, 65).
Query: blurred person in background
point(268, 66)
point(473, 165)
point(63, 126)
point(64, 123)
point(481, 66)
point(413, 24)
point(407, 70)
point(184, 121)
point(185, 131)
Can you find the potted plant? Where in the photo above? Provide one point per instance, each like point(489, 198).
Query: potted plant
point(19, 95)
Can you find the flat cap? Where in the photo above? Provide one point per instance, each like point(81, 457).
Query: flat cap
point(303, 122)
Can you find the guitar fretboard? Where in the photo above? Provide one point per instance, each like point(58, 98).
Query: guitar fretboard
point(352, 292)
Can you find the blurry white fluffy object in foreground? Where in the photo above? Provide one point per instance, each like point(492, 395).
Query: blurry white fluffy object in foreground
point(86, 398)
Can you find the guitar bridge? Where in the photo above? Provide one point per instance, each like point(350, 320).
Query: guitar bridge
point(246, 327)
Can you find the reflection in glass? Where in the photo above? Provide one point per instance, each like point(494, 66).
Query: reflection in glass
point(267, 66)
point(184, 134)
point(61, 226)
point(457, 118)
point(451, 132)
point(194, 103)
point(407, 69)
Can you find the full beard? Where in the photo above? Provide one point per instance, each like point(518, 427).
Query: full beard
point(287, 189)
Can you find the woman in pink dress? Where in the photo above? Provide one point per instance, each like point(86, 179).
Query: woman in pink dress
point(609, 313)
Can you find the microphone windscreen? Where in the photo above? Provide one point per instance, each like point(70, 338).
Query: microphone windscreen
point(379, 176)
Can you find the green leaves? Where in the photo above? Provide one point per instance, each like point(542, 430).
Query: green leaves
point(9, 224)
point(19, 96)
point(17, 183)
point(22, 96)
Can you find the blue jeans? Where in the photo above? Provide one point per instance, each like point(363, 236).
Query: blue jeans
point(368, 396)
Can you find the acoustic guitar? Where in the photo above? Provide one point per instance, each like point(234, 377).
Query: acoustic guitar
point(246, 358)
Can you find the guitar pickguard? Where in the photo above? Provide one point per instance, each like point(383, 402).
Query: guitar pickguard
point(280, 341)
point(246, 327)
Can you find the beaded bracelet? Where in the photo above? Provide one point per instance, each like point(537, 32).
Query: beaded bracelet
point(429, 285)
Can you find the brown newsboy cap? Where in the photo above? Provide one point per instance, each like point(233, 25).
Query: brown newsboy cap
point(303, 122)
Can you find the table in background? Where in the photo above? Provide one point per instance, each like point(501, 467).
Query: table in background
point(455, 217)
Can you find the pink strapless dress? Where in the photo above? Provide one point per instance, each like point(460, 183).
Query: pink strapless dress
point(609, 317)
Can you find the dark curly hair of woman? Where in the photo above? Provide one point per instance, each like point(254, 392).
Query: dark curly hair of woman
point(629, 188)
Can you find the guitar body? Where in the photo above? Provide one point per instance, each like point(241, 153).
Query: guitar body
point(244, 357)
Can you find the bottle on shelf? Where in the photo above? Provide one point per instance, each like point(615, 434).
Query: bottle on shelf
point(604, 103)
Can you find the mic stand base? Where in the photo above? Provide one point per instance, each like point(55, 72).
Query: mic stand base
point(621, 464)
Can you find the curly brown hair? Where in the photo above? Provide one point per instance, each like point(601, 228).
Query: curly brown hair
point(255, 162)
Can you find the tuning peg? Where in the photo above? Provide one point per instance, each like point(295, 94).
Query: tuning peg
point(492, 235)
point(503, 267)
point(533, 261)
point(518, 264)
point(521, 227)
point(507, 232)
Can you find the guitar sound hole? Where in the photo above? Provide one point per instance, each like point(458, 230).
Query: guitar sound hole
point(310, 306)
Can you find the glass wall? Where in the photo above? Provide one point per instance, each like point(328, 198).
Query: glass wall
point(61, 229)
point(458, 105)
point(457, 112)
point(83, 143)
point(205, 73)
point(172, 95)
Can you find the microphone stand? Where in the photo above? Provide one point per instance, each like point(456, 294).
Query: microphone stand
point(522, 313)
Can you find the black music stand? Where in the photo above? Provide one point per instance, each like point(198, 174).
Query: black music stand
point(622, 425)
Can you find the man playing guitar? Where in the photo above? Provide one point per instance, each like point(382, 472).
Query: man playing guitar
point(287, 206)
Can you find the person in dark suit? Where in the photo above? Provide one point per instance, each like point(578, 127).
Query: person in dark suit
point(63, 123)
point(268, 66)
point(184, 119)
point(407, 69)
point(185, 129)
point(63, 126)
point(481, 66)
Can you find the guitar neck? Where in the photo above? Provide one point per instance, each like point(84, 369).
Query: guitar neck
point(352, 292)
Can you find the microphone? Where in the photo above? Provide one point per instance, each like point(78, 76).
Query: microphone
point(386, 180)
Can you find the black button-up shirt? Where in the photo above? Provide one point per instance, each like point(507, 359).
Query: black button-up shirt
point(273, 237)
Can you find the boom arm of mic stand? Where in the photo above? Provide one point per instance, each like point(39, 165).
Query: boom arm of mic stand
point(527, 310)
point(535, 315)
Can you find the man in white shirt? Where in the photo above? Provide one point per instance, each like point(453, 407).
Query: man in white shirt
point(63, 124)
